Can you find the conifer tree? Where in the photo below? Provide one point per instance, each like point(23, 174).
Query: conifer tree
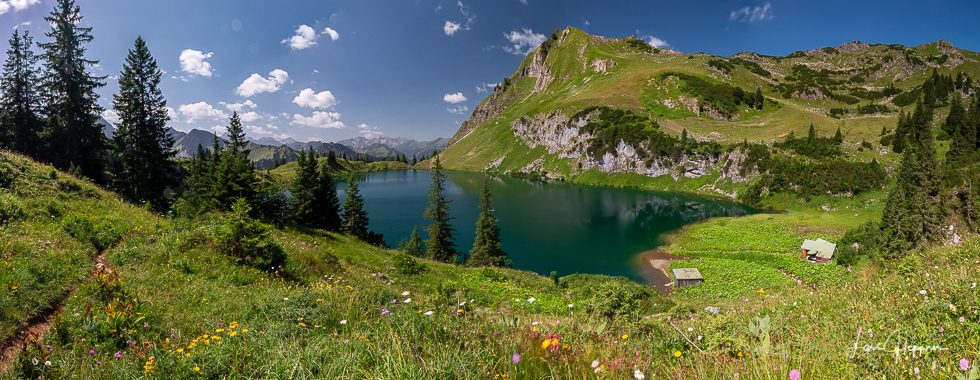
point(911, 217)
point(355, 217)
point(441, 243)
point(303, 186)
point(760, 100)
point(325, 201)
point(143, 148)
point(199, 181)
point(960, 129)
point(20, 122)
point(413, 246)
point(811, 134)
point(235, 174)
point(487, 249)
point(838, 136)
point(75, 138)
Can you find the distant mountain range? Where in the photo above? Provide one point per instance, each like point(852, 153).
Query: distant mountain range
point(267, 152)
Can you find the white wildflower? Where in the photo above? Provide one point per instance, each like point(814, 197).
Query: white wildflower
point(343, 322)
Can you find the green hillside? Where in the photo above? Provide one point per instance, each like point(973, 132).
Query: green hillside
point(858, 88)
point(130, 294)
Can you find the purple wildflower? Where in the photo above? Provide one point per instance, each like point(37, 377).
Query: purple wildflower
point(964, 364)
point(516, 358)
point(91, 352)
point(794, 374)
point(385, 311)
point(118, 355)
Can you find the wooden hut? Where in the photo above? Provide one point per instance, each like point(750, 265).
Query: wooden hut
point(819, 251)
point(684, 277)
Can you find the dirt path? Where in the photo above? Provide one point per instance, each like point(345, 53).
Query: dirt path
point(653, 264)
point(34, 329)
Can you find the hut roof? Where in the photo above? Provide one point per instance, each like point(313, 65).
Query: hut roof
point(822, 248)
point(687, 274)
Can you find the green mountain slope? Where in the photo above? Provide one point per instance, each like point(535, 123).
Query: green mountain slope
point(531, 123)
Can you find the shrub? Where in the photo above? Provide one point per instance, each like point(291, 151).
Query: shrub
point(859, 243)
point(907, 97)
point(614, 300)
point(102, 234)
point(10, 209)
point(248, 240)
point(721, 65)
point(407, 265)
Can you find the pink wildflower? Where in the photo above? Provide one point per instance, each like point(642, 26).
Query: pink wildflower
point(794, 374)
point(964, 364)
point(516, 358)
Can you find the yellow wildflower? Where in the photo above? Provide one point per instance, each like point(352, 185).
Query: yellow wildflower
point(677, 354)
point(197, 369)
point(626, 336)
point(219, 330)
point(545, 344)
point(233, 333)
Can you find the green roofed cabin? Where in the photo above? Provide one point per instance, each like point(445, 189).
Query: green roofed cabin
point(818, 251)
point(684, 277)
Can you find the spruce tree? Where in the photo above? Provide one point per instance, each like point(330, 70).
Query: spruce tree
point(413, 246)
point(199, 183)
point(760, 101)
point(961, 130)
point(838, 137)
point(143, 148)
point(75, 138)
point(325, 201)
point(911, 217)
point(441, 243)
point(20, 122)
point(235, 177)
point(811, 134)
point(355, 217)
point(487, 249)
point(302, 200)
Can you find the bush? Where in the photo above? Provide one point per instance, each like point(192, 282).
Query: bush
point(614, 300)
point(10, 209)
point(248, 240)
point(859, 243)
point(407, 265)
point(102, 234)
point(272, 207)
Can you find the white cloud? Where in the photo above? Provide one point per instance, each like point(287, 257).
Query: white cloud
point(304, 38)
point(200, 111)
point(111, 116)
point(171, 113)
point(319, 119)
point(332, 33)
point(238, 107)
point(458, 110)
point(368, 131)
point(262, 130)
point(25, 24)
point(656, 42)
point(193, 62)
point(256, 84)
point(454, 98)
point(310, 99)
point(249, 116)
point(752, 14)
point(486, 87)
point(450, 28)
point(16, 5)
point(523, 42)
point(219, 129)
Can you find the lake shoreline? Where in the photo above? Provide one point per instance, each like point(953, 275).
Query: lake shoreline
point(653, 265)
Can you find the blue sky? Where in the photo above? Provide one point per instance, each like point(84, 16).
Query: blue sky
point(417, 68)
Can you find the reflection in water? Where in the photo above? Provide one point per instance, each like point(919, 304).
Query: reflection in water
point(544, 226)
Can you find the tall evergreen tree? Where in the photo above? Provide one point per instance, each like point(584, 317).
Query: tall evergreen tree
point(487, 249)
point(199, 183)
point(20, 123)
point(355, 217)
point(302, 187)
point(325, 201)
point(911, 217)
point(235, 174)
point(811, 134)
point(144, 150)
point(960, 128)
point(75, 138)
point(838, 136)
point(441, 243)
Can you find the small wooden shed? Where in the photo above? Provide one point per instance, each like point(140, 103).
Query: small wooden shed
point(684, 277)
point(820, 251)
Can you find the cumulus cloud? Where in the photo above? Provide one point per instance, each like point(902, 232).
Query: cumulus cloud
point(453, 26)
point(238, 107)
point(454, 98)
point(458, 110)
point(256, 84)
point(194, 62)
point(523, 42)
point(310, 99)
point(656, 42)
point(200, 111)
point(111, 116)
point(368, 131)
point(249, 116)
point(25, 24)
point(171, 113)
point(306, 37)
point(332, 33)
point(752, 14)
point(450, 28)
point(16, 5)
point(319, 119)
point(266, 130)
point(486, 87)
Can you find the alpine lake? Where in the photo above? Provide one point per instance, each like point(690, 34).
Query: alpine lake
point(544, 226)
